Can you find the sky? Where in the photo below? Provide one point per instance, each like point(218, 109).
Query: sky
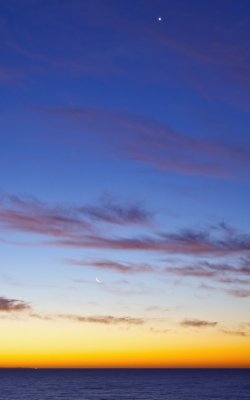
point(124, 183)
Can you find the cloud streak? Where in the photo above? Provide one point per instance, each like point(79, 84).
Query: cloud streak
point(158, 145)
point(235, 332)
point(155, 51)
point(108, 265)
point(72, 226)
point(20, 214)
point(13, 306)
point(104, 320)
point(197, 323)
point(92, 319)
point(32, 216)
point(221, 272)
point(240, 293)
point(111, 212)
point(184, 242)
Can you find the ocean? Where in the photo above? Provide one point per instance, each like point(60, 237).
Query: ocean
point(119, 384)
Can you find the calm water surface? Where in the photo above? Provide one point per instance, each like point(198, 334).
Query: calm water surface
point(139, 384)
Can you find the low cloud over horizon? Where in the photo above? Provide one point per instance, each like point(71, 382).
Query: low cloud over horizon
point(197, 323)
point(13, 305)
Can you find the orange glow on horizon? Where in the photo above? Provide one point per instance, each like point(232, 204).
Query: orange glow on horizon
point(69, 345)
point(185, 358)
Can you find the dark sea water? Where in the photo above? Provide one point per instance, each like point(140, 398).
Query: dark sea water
point(137, 384)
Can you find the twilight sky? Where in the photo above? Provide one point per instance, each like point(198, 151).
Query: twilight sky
point(124, 159)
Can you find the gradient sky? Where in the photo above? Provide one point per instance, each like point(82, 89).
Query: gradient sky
point(124, 158)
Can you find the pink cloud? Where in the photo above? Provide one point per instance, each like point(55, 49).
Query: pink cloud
point(32, 216)
point(73, 226)
point(195, 243)
point(221, 272)
point(158, 145)
point(23, 214)
point(112, 212)
point(107, 265)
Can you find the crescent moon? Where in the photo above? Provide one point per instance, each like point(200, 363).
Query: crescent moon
point(98, 280)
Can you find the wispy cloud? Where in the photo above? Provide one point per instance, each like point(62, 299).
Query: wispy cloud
point(160, 146)
point(106, 320)
point(234, 332)
point(92, 319)
point(226, 275)
point(12, 305)
point(154, 330)
point(221, 272)
point(241, 293)
point(154, 50)
point(23, 214)
point(188, 242)
point(232, 278)
point(112, 212)
point(197, 323)
point(225, 47)
point(71, 226)
point(217, 64)
point(43, 317)
point(232, 287)
point(33, 216)
point(108, 265)
point(156, 308)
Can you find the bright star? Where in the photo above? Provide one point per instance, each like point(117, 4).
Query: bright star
point(159, 18)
